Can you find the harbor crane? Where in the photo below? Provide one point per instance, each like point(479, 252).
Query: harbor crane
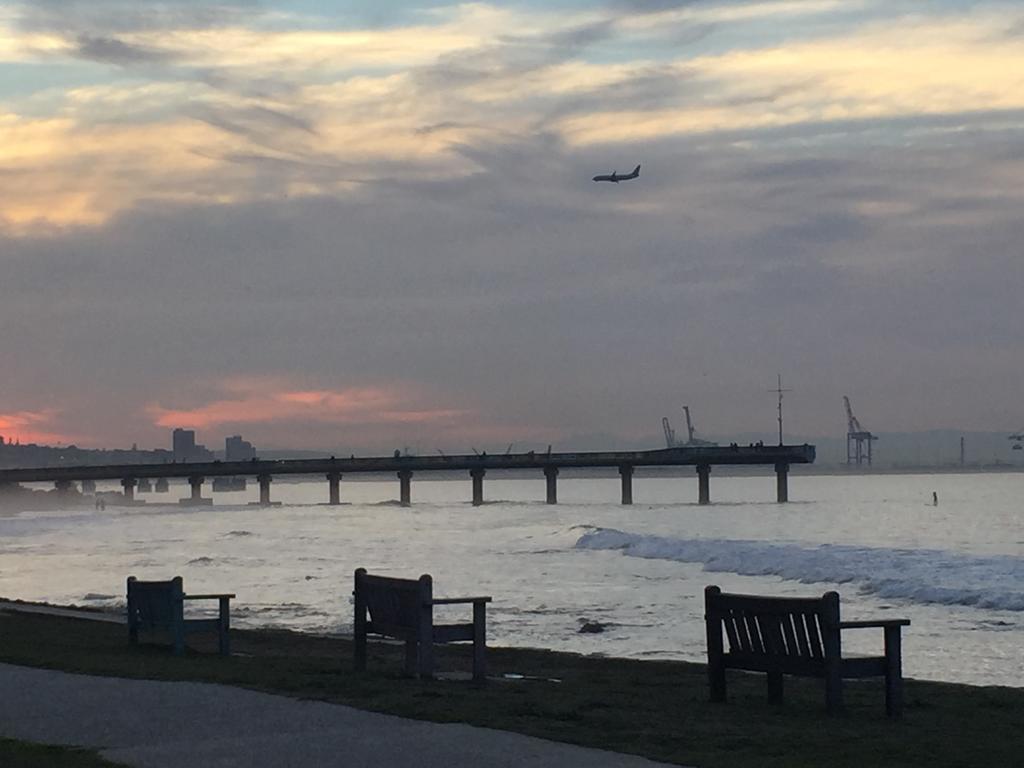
point(670, 434)
point(691, 439)
point(858, 439)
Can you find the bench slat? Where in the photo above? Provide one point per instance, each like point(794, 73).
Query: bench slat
point(789, 636)
point(803, 645)
point(813, 636)
point(755, 662)
point(863, 666)
point(730, 631)
point(448, 633)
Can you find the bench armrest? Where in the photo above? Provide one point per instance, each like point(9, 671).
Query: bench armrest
point(873, 624)
point(206, 597)
point(456, 600)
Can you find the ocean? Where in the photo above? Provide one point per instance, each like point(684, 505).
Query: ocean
point(956, 570)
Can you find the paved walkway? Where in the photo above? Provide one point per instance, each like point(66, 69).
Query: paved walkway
point(154, 724)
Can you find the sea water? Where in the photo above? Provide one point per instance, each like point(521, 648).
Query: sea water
point(956, 570)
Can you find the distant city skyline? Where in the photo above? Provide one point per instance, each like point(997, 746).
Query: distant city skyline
point(335, 224)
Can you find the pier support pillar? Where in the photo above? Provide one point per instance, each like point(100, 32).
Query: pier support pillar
point(626, 470)
point(264, 490)
point(88, 486)
point(129, 488)
point(334, 482)
point(478, 485)
point(551, 476)
point(704, 482)
point(196, 483)
point(63, 487)
point(782, 482)
point(405, 487)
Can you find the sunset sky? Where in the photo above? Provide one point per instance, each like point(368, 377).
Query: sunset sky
point(374, 226)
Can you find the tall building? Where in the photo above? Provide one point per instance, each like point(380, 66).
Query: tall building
point(185, 448)
point(237, 449)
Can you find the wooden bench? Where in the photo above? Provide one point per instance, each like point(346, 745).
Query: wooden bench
point(160, 606)
point(404, 609)
point(796, 636)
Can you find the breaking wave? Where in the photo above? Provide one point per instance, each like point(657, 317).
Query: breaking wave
point(994, 582)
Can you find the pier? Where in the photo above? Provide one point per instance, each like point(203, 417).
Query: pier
point(703, 458)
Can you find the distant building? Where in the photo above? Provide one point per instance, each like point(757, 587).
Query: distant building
point(185, 448)
point(237, 449)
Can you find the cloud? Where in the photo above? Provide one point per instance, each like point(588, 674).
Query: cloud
point(527, 298)
point(126, 16)
point(331, 108)
point(258, 402)
point(110, 50)
point(32, 427)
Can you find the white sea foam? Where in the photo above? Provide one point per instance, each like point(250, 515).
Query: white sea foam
point(918, 575)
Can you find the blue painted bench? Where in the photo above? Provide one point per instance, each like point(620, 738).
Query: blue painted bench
point(796, 636)
point(159, 606)
point(404, 609)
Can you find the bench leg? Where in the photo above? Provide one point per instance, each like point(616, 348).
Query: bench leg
point(225, 626)
point(359, 629)
point(716, 647)
point(479, 642)
point(775, 687)
point(893, 673)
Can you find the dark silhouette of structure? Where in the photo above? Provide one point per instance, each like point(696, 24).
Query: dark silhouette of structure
point(692, 440)
point(237, 449)
point(858, 439)
point(614, 177)
point(185, 448)
point(702, 458)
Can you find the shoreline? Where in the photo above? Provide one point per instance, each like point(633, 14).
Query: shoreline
point(658, 709)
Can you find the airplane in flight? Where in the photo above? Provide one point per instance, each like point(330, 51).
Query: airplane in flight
point(615, 178)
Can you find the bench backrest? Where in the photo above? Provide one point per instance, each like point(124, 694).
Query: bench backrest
point(786, 629)
point(395, 605)
point(155, 603)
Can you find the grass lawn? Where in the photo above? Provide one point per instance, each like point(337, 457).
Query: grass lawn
point(19, 754)
point(651, 708)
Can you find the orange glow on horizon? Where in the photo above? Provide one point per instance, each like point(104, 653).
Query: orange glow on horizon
point(27, 427)
point(254, 403)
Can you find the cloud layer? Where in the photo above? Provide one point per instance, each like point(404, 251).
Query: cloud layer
point(387, 230)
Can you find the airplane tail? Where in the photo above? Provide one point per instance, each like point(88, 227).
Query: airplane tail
point(636, 171)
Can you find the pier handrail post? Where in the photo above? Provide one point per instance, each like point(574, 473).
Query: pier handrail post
point(405, 487)
point(782, 482)
point(264, 481)
point(478, 485)
point(626, 470)
point(551, 483)
point(704, 483)
point(128, 484)
point(333, 482)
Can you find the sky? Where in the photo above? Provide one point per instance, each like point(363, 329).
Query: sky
point(358, 226)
